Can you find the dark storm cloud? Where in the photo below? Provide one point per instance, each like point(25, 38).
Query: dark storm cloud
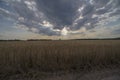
point(58, 14)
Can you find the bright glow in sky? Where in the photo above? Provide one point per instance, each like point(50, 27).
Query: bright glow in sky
point(64, 31)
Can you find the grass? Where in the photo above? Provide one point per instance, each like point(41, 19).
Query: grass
point(52, 56)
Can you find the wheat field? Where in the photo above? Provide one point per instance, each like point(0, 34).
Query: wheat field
point(19, 57)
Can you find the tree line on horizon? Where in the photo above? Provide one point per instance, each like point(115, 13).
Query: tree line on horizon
point(61, 39)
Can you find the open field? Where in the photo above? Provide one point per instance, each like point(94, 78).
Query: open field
point(30, 58)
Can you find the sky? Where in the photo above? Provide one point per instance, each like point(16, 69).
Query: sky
point(54, 19)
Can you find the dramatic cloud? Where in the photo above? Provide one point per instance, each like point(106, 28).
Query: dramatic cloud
point(60, 17)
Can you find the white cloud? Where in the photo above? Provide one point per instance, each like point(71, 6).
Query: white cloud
point(18, 0)
point(21, 19)
point(81, 9)
point(76, 20)
point(23, 27)
point(31, 5)
point(100, 8)
point(103, 32)
point(91, 2)
point(47, 24)
point(94, 16)
point(108, 20)
point(88, 24)
point(35, 30)
point(81, 30)
point(111, 1)
point(4, 10)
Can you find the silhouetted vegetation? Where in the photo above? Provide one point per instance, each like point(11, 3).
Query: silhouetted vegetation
point(61, 39)
point(39, 40)
point(12, 40)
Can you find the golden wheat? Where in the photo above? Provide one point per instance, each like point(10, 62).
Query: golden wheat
point(23, 56)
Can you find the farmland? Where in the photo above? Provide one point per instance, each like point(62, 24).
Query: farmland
point(30, 57)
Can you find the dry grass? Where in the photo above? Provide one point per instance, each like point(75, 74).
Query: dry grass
point(47, 56)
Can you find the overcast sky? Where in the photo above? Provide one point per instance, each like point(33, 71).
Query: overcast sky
point(54, 19)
